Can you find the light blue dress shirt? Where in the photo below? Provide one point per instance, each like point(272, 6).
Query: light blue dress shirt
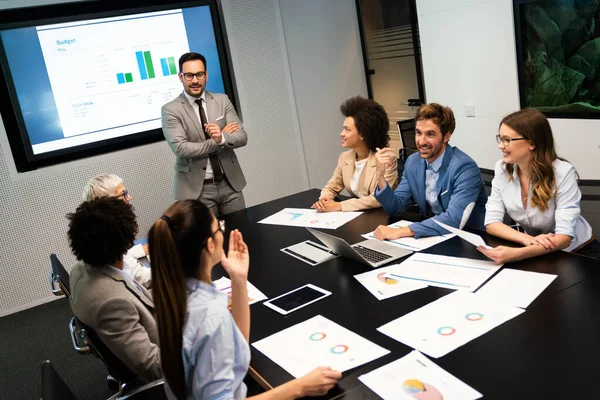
point(216, 355)
point(431, 179)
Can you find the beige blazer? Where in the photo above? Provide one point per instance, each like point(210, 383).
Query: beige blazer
point(342, 178)
point(185, 136)
point(121, 313)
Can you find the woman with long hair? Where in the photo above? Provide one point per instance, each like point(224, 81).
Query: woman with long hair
point(538, 190)
point(204, 347)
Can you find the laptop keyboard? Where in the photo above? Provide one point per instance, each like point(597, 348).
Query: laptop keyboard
point(371, 255)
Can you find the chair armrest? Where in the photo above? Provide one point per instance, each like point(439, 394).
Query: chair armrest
point(54, 284)
point(77, 336)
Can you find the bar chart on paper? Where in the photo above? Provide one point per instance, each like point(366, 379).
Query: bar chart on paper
point(124, 68)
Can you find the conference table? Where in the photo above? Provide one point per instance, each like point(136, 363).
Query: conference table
point(551, 351)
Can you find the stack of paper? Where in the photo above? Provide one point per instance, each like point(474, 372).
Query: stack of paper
point(315, 343)
point(449, 322)
point(254, 295)
point(416, 377)
point(411, 243)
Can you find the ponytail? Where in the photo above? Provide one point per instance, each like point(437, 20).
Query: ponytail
point(170, 303)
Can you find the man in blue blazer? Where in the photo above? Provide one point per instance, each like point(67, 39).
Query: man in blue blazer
point(442, 180)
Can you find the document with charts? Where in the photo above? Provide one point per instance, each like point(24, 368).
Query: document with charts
point(318, 342)
point(411, 243)
point(383, 287)
point(445, 271)
point(448, 323)
point(415, 376)
point(254, 295)
point(304, 217)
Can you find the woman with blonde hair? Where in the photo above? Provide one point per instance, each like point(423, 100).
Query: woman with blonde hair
point(538, 190)
point(203, 346)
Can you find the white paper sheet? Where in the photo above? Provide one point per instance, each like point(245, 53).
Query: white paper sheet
point(383, 287)
point(310, 218)
point(472, 238)
point(414, 376)
point(410, 242)
point(254, 295)
point(516, 288)
point(318, 342)
point(445, 271)
point(448, 323)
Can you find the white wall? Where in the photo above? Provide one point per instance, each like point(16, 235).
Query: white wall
point(469, 57)
point(33, 205)
point(326, 67)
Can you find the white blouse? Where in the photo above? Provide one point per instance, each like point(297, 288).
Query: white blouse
point(359, 166)
point(563, 215)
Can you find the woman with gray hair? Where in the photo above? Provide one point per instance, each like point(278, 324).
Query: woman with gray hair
point(111, 185)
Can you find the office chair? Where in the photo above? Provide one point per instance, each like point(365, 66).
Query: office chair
point(406, 130)
point(154, 390)
point(60, 284)
point(119, 373)
point(53, 386)
point(59, 278)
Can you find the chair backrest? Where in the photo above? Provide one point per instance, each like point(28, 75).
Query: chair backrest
point(60, 276)
point(53, 386)
point(114, 365)
point(406, 130)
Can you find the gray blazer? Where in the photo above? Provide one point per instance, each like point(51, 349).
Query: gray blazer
point(121, 314)
point(185, 136)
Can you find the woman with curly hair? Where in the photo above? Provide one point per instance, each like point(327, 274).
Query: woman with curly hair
point(538, 191)
point(365, 130)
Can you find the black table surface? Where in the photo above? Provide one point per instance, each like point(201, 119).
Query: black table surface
point(548, 352)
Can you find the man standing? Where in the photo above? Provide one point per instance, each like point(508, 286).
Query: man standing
point(202, 129)
point(442, 180)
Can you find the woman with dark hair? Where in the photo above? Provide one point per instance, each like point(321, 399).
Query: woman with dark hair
point(365, 130)
point(204, 347)
point(538, 190)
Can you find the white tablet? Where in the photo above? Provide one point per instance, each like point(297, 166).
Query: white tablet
point(296, 299)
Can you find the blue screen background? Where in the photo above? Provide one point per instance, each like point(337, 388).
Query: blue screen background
point(34, 93)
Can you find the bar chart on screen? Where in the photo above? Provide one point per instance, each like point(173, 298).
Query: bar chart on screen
point(122, 67)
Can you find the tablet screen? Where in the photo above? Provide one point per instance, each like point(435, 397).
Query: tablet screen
point(298, 298)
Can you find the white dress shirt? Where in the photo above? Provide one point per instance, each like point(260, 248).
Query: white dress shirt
point(209, 171)
point(563, 215)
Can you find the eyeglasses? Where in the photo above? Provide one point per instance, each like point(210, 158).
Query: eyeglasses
point(220, 228)
point(506, 140)
point(125, 195)
point(188, 76)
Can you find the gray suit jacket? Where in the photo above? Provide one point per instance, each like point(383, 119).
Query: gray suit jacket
point(185, 136)
point(120, 313)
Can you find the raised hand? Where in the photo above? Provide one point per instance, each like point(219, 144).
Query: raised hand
point(385, 157)
point(237, 260)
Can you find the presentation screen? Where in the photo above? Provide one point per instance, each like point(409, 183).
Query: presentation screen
point(95, 83)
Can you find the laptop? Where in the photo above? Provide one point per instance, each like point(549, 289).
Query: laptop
point(372, 252)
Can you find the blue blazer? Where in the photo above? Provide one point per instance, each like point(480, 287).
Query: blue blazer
point(458, 185)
